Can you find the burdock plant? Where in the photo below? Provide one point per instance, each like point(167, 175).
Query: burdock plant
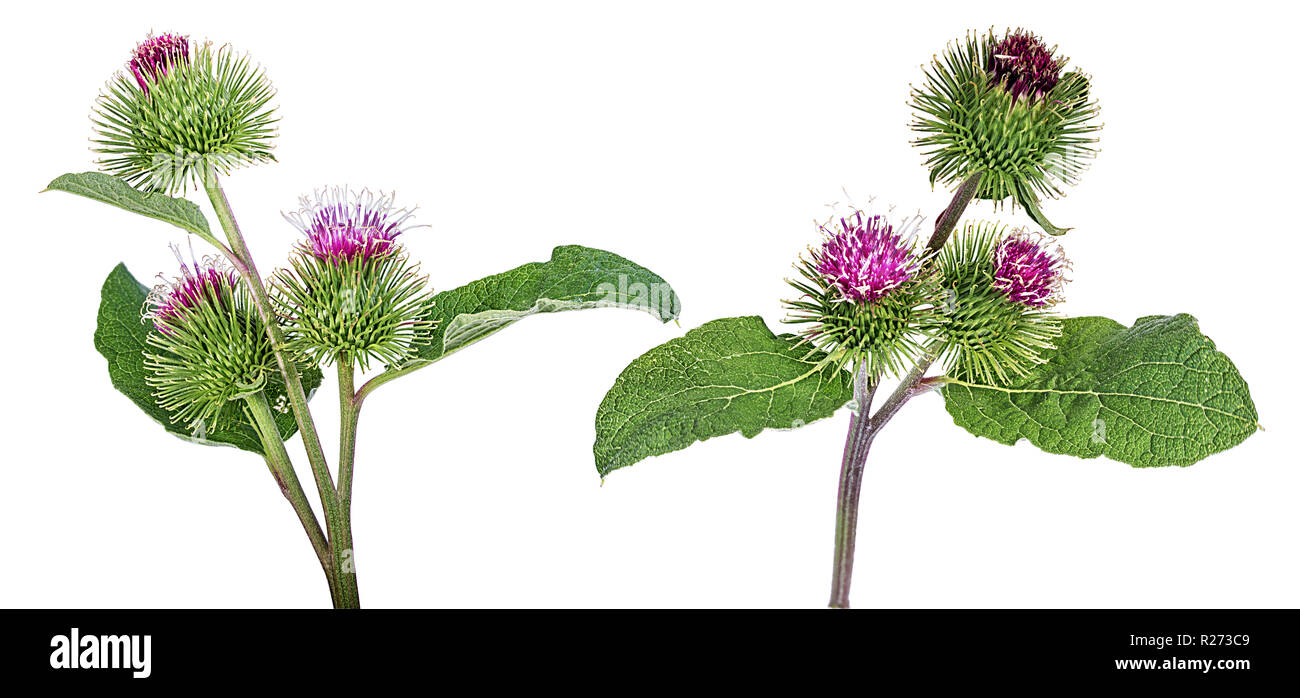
point(998, 119)
point(219, 356)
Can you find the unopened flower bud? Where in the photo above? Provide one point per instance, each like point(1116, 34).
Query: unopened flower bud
point(179, 116)
point(1003, 110)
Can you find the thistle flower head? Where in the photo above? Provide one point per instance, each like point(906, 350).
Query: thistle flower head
point(342, 226)
point(1029, 269)
point(1024, 66)
point(209, 347)
point(155, 55)
point(350, 293)
point(1003, 110)
point(863, 293)
point(865, 259)
point(171, 300)
point(177, 116)
point(994, 321)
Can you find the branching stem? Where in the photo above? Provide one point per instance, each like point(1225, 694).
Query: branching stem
point(864, 426)
point(388, 375)
point(242, 259)
point(277, 459)
point(856, 447)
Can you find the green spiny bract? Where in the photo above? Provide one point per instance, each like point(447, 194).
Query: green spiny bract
point(865, 295)
point(358, 309)
point(212, 348)
point(880, 337)
point(1013, 118)
point(986, 336)
point(164, 128)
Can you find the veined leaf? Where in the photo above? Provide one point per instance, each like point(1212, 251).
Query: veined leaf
point(1155, 394)
point(181, 213)
point(120, 336)
point(574, 279)
point(726, 376)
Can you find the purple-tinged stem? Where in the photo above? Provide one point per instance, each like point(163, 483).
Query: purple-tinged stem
point(863, 426)
point(862, 431)
point(855, 458)
point(947, 221)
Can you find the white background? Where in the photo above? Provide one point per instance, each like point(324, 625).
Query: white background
point(701, 140)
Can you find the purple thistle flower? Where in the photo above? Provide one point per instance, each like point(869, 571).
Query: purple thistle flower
point(1029, 269)
point(865, 259)
point(1023, 66)
point(199, 283)
point(343, 226)
point(155, 55)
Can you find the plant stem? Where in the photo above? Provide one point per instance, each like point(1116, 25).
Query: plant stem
point(863, 428)
point(846, 511)
point(277, 458)
point(913, 384)
point(243, 261)
point(349, 410)
point(947, 221)
point(862, 432)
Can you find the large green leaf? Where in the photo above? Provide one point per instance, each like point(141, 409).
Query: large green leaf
point(101, 187)
point(120, 336)
point(726, 376)
point(575, 278)
point(1155, 394)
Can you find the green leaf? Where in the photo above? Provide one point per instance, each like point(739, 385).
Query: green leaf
point(181, 213)
point(120, 336)
point(726, 376)
point(1032, 206)
point(1155, 394)
point(574, 279)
